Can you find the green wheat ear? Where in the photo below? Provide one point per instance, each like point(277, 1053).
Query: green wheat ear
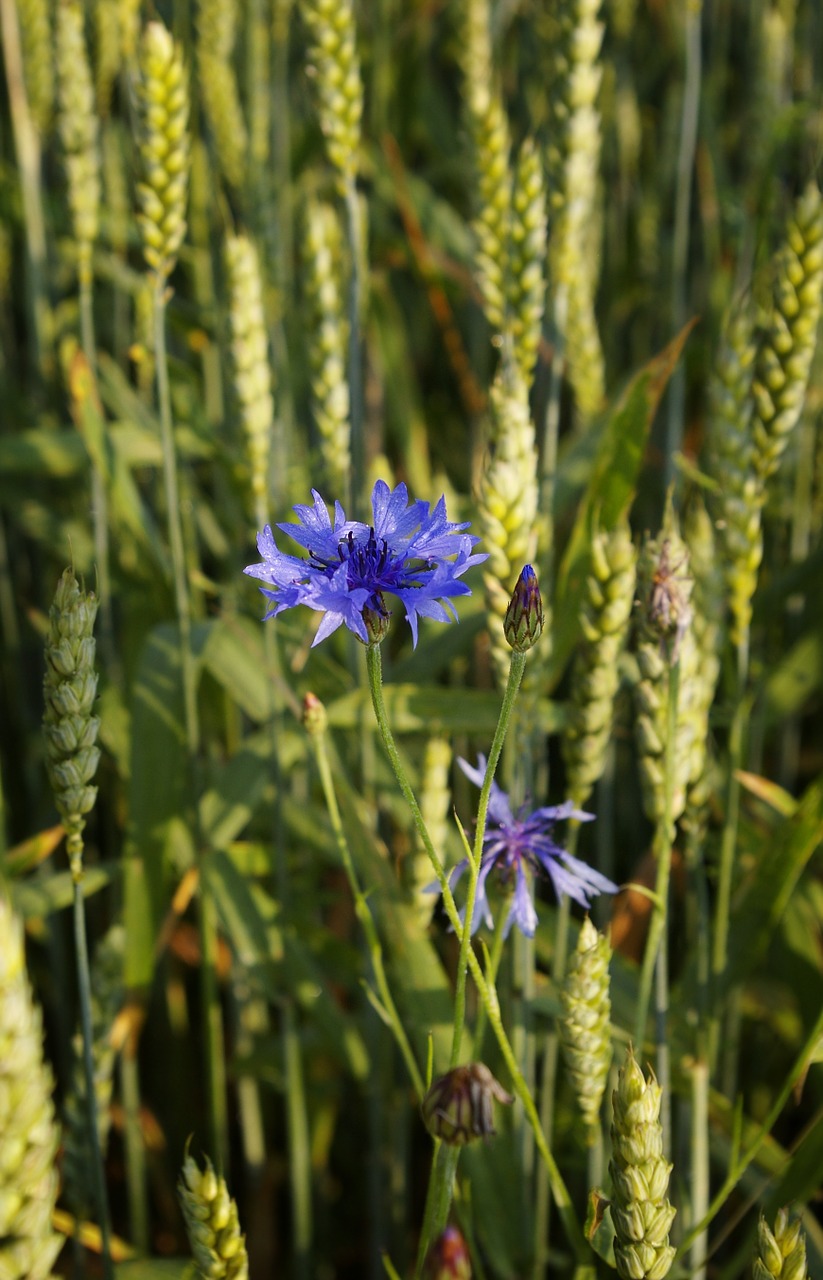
point(34, 18)
point(585, 1024)
point(328, 338)
point(640, 1210)
point(250, 358)
point(335, 67)
point(79, 130)
point(29, 1136)
point(216, 25)
point(163, 144)
point(785, 355)
point(781, 1254)
point(210, 1215)
point(604, 621)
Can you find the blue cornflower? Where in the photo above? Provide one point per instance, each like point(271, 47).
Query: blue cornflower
point(407, 551)
point(513, 843)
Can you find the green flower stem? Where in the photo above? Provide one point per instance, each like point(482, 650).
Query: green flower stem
point(487, 994)
point(354, 223)
point(438, 1199)
point(739, 1166)
point(84, 990)
point(365, 916)
point(516, 668)
point(663, 838)
point(215, 1059)
point(491, 974)
point(548, 1083)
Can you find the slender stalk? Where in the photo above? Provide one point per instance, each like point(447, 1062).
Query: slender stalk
point(354, 222)
point(215, 1058)
point(699, 1165)
point(663, 837)
point(486, 993)
point(516, 669)
point(84, 989)
point(548, 1083)
point(682, 207)
point(491, 976)
point(365, 916)
point(135, 1150)
point(438, 1199)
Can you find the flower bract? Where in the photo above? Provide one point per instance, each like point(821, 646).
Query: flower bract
point(517, 843)
point(407, 551)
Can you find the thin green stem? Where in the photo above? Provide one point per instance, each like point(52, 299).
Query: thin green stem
point(516, 669)
point(438, 1199)
point(491, 975)
point(84, 989)
point(135, 1150)
point(215, 1057)
point(365, 916)
point(700, 1169)
point(487, 994)
point(548, 1083)
point(99, 500)
point(663, 836)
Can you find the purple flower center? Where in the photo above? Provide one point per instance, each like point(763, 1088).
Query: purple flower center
point(370, 564)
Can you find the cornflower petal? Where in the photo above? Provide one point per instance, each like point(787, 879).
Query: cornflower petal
point(522, 912)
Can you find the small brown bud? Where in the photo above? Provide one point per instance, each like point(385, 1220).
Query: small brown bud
point(523, 624)
point(458, 1106)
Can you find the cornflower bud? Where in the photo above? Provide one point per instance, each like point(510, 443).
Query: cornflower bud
point(70, 729)
point(448, 1258)
point(315, 717)
point(641, 1213)
point(781, 1255)
point(458, 1106)
point(210, 1214)
point(523, 624)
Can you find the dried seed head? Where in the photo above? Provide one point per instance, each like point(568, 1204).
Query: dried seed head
point(458, 1106)
point(163, 141)
point(210, 1214)
point(70, 729)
